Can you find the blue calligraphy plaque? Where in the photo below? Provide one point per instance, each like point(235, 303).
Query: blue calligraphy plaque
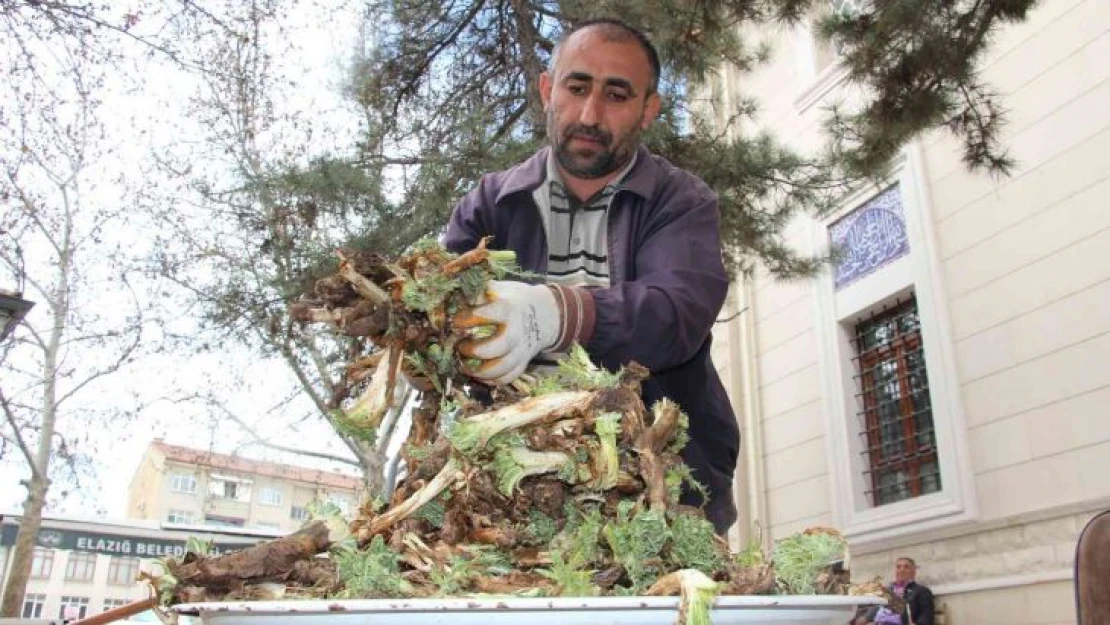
point(870, 237)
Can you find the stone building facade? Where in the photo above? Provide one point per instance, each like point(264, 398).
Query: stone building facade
point(941, 394)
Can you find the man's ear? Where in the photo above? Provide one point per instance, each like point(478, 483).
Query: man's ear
point(651, 110)
point(545, 89)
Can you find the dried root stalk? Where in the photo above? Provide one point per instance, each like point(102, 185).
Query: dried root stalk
point(561, 484)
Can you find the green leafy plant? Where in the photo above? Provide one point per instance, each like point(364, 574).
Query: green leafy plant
point(570, 576)
point(372, 571)
point(799, 558)
point(636, 540)
point(694, 544)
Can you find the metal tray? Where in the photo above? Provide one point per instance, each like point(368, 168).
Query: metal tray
point(727, 610)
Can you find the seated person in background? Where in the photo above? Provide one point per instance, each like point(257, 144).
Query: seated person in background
point(865, 615)
point(918, 599)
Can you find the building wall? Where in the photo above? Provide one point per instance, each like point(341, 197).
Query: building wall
point(153, 495)
point(144, 496)
point(96, 590)
point(166, 498)
point(1017, 296)
point(106, 540)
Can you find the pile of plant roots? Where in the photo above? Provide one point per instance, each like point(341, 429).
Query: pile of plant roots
point(561, 484)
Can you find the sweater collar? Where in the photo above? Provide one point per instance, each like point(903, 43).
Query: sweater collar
point(532, 173)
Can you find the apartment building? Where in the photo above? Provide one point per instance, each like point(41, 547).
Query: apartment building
point(941, 393)
point(83, 567)
point(196, 487)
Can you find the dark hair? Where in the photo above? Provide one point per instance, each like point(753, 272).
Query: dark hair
point(907, 559)
point(618, 30)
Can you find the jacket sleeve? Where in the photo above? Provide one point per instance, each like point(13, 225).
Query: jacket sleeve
point(923, 606)
point(466, 226)
point(662, 318)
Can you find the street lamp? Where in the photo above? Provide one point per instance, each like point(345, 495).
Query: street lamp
point(12, 309)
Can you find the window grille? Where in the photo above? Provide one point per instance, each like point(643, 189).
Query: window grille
point(80, 566)
point(43, 563)
point(33, 604)
point(896, 416)
point(123, 570)
point(110, 604)
point(298, 513)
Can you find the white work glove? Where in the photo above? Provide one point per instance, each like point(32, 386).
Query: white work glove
point(527, 321)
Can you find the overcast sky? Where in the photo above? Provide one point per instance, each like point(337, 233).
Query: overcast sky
point(323, 44)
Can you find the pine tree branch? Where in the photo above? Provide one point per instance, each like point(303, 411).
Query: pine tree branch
point(510, 122)
point(409, 89)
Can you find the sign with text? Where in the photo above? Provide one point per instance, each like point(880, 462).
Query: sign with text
point(119, 544)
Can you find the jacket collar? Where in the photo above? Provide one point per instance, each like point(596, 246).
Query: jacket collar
point(530, 174)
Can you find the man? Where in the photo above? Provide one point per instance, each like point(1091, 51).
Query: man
point(918, 599)
point(629, 246)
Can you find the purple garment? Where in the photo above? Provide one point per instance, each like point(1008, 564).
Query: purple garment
point(886, 617)
point(667, 286)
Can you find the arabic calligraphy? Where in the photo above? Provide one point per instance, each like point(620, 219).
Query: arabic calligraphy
point(870, 237)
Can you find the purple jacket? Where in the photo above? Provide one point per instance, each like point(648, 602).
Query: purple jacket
point(668, 285)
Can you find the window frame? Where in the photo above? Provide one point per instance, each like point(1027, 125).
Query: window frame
point(341, 501)
point(110, 604)
point(38, 604)
point(899, 350)
point(81, 603)
point(918, 273)
point(303, 516)
point(177, 477)
point(187, 515)
point(277, 496)
point(115, 563)
point(47, 562)
point(241, 491)
point(86, 559)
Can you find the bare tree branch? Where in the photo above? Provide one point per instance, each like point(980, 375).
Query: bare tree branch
point(261, 440)
point(17, 436)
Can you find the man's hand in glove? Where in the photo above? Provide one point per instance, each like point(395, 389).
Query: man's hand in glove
point(528, 320)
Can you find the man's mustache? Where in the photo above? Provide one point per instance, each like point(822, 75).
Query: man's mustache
point(589, 132)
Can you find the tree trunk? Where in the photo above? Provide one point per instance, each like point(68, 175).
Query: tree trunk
point(373, 463)
point(23, 552)
point(528, 39)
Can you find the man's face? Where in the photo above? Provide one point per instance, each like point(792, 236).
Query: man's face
point(904, 571)
point(597, 104)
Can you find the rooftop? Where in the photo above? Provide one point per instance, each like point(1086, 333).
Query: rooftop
point(186, 455)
